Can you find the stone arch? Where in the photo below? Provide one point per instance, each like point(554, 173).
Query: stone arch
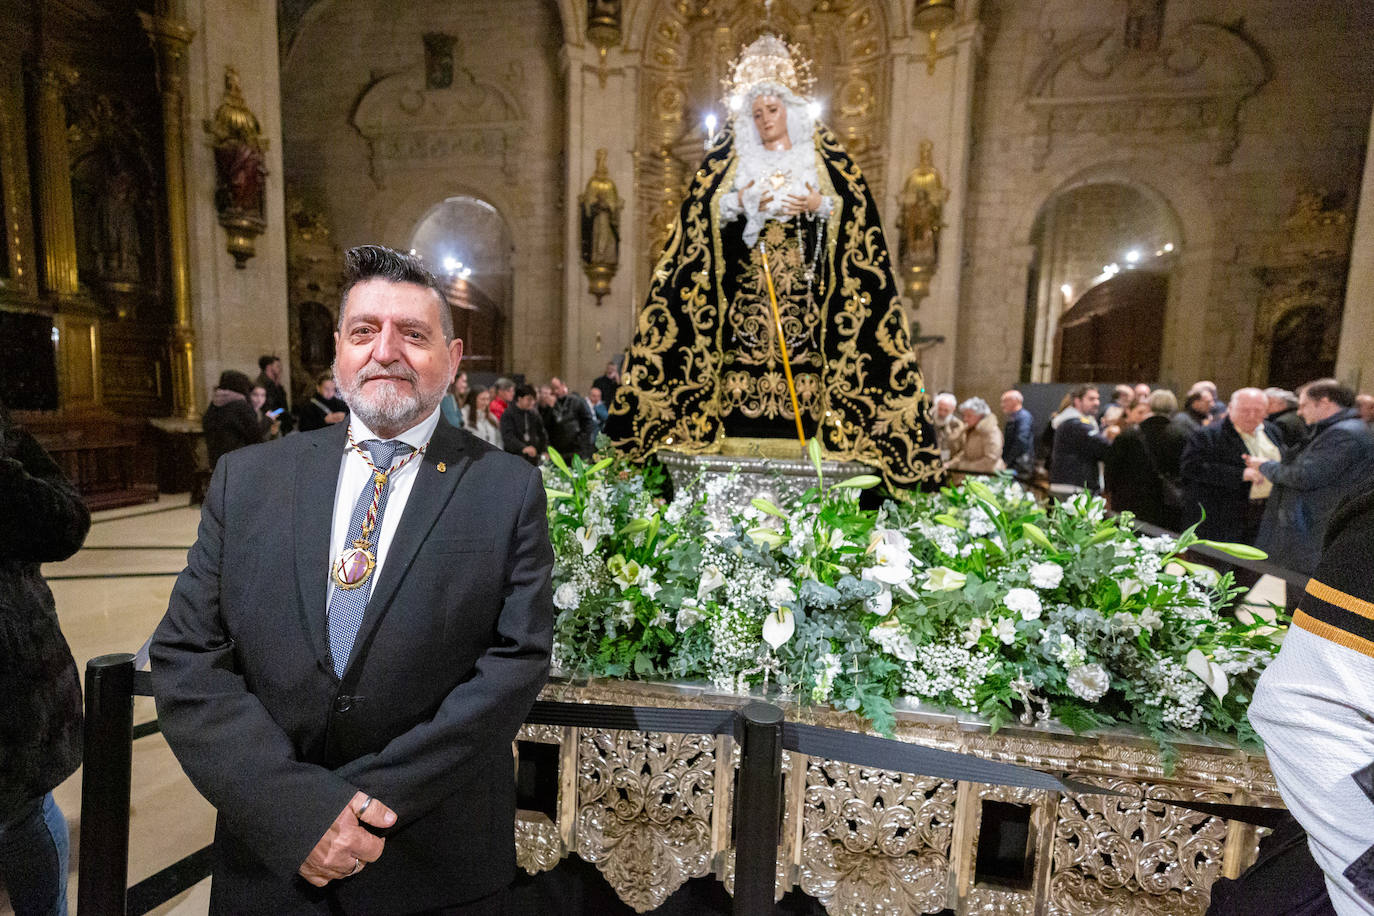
point(1180, 191)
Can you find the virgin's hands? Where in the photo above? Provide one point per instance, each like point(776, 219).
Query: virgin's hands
point(809, 202)
point(739, 195)
point(347, 846)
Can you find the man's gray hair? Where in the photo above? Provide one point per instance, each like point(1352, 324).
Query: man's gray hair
point(977, 405)
point(377, 262)
point(946, 397)
point(1163, 402)
point(503, 383)
point(1282, 394)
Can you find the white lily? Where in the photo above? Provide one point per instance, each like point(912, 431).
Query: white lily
point(650, 589)
point(711, 579)
point(778, 627)
point(944, 579)
point(1005, 630)
point(1208, 671)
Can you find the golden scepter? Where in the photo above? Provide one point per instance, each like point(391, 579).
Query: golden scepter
point(782, 344)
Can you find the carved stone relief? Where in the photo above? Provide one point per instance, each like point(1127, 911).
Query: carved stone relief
point(411, 120)
point(1193, 81)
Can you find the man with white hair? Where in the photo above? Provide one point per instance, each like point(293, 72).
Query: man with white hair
point(1213, 469)
point(949, 429)
point(982, 449)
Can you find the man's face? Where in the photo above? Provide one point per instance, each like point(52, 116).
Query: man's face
point(392, 361)
point(1248, 411)
point(1010, 404)
point(1088, 404)
point(770, 117)
point(594, 396)
point(1365, 402)
point(506, 394)
point(1138, 413)
point(1314, 411)
point(943, 408)
point(525, 402)
point(546, 395)
point(559, 389)
point(610, 370)
point(273, 370)
point(1202, 404)
point(1142, 391)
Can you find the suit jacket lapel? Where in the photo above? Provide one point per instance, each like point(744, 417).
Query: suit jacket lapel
point(317, 478)
point(428, 498)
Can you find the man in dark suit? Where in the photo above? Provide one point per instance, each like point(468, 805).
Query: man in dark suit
point(357, 636)
point(1018, 442)
point(1078, 445)
point(1213, 470)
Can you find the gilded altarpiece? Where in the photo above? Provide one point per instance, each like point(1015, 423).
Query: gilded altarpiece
point(687, 52)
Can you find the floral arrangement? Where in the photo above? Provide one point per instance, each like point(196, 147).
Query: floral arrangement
point(976, 597)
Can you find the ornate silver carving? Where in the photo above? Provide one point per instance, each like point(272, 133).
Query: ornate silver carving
point(1127, 856)
point(875, 841)
point(644, 810)
point(537, 845)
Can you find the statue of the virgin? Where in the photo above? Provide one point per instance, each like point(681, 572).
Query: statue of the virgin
point(706, 362)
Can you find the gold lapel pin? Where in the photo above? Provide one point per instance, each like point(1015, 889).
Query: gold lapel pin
point(442, 467)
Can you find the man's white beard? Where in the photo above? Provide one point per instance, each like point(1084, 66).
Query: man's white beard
point(388, 406)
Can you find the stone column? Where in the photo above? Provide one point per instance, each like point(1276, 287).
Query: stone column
point(937, 107)
point(602, 104)
point(170, 39)
point(56, 220)
point(1355, 356)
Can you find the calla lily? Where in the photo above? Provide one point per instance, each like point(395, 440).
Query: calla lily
point(766, 537)
point(778, 627)
point(944, 579)
point(711, 579)
point(586, 540)
point(1208, 671)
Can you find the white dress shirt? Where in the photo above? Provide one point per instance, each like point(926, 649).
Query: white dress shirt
point(355, 473)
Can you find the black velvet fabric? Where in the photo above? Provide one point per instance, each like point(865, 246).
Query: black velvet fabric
point(701, 365)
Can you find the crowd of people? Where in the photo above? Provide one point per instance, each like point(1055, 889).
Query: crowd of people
point(518, 418)
point(1263, 467)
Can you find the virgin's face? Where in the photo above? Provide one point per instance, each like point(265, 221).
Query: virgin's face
point(770, 118)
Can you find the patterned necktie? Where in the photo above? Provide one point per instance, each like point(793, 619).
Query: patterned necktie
point(346, 606)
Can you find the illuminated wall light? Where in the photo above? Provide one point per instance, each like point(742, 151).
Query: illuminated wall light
point(1168, 246)
point(1133, 256)
point(452, 264)
point(1067, 290)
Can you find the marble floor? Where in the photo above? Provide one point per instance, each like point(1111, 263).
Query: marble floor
point(109, 597)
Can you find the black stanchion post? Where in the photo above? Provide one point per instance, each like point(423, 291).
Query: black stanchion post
point(102, 877)
point(758, 801)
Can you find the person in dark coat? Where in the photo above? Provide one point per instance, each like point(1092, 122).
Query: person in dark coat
point(1283, 413)
point(269, 377)
point(1335, 462)
point(230, 421)
point(1018, 440)
point(324, 409)
point(40, 715)
point(1134, 466)
point(574, 427)
point(1078, 445)
point(1213, 467)
point(522, 430)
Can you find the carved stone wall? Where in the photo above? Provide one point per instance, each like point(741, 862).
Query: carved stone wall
point(1221, 118)
point(381, 125)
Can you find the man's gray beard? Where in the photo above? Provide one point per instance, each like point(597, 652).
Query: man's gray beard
point(389, 409)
